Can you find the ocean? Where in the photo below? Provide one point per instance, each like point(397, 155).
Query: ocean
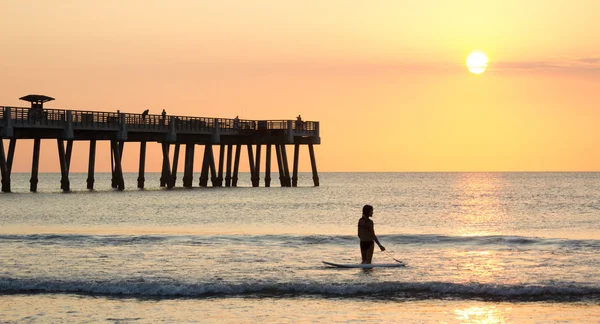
point(480, 248)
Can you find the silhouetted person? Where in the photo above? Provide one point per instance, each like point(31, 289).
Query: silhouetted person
point(366, 233)
point(145, 113)
point(164, 117)
point(236, 122)
point(299, 122)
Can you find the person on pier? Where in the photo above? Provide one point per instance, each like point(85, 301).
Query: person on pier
point(299, 122)
point(164, 117)
point(145, 113)
point(366, 234)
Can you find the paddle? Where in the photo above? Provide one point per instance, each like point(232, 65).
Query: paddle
point(385, 252)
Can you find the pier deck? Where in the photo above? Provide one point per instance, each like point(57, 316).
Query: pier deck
point(66, 126)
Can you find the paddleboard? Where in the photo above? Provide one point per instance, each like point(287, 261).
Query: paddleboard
point(365, 266)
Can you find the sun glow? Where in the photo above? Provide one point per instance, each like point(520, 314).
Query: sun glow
point(477, 62)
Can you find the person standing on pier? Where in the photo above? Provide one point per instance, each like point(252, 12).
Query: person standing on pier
point(299, 123)
point(366, 233)
point(164, 117)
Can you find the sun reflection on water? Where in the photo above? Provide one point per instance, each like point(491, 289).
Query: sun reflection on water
point(479, 266)
point(481, 314)
point(478, 202)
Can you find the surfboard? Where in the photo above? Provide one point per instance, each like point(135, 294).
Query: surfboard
point(365, 266)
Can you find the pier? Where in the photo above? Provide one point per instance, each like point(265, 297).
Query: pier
point(229, 136)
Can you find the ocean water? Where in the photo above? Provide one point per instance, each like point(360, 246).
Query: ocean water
point(480, 248)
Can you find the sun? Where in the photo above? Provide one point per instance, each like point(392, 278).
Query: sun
point(477, 62)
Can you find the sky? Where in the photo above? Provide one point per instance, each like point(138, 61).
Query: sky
point(386, 79)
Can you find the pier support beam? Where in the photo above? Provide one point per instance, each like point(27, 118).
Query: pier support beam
point(188, 172)
point(286, 168)
point(166, 169)
point(116, 147)
point(6, 163)
point(142, 167)
point(251, 162)
point(295, 172)
point(268, 166)
point(119, 182)
point(11, 154)
point(64, 168)
point(236, 165)
point(313, 163)
point(205, 167)
point(280, 165)
point(173, 179)
point(68, 154)
point(91, 165)
point(211, 165)
point(257, 167)
point(228, 172)
point(112, 165)
point(4, 169)
point(208, 165)
point(221, 164)
point(165, 179)
point(33, 182)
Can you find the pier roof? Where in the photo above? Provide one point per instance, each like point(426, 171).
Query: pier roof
point(36, 98)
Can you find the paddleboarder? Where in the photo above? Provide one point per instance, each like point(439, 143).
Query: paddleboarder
point(366, 233)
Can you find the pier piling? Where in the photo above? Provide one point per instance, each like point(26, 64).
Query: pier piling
point(313, 163)
point(33, 182)
point(166, 169)
point(295, 171)
point(236, 165)
point(175, 162)
point(204, 171)
point(251, 164)
point(221, 164)
point(257, 167)
point(68, 154)
point(228, 172)
point(6, 163)
point(211, 165)
point(188, 172)
point(280, 165)
point(4, 169)
point(165, 179)
point(268, 166)
point(119, 182)
point(142, 166)
point(286, 168)
point(91, 165)
point(64, 169)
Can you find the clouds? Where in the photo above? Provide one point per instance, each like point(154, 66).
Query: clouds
point(587, 63)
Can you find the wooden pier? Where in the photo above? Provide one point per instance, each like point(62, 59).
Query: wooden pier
point(230, 135)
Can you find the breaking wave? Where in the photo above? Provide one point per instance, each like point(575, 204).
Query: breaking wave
point(143, 288)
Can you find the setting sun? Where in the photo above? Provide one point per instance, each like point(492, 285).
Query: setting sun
point(477, 62)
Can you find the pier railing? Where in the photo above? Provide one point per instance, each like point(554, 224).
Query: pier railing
point(20, 117)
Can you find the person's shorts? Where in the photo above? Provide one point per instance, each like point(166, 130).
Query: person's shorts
point(365, 245)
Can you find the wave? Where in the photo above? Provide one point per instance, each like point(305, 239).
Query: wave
point(417, 239)
point(141, 288)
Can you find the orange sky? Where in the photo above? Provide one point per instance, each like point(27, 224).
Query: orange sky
point(386, 79)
